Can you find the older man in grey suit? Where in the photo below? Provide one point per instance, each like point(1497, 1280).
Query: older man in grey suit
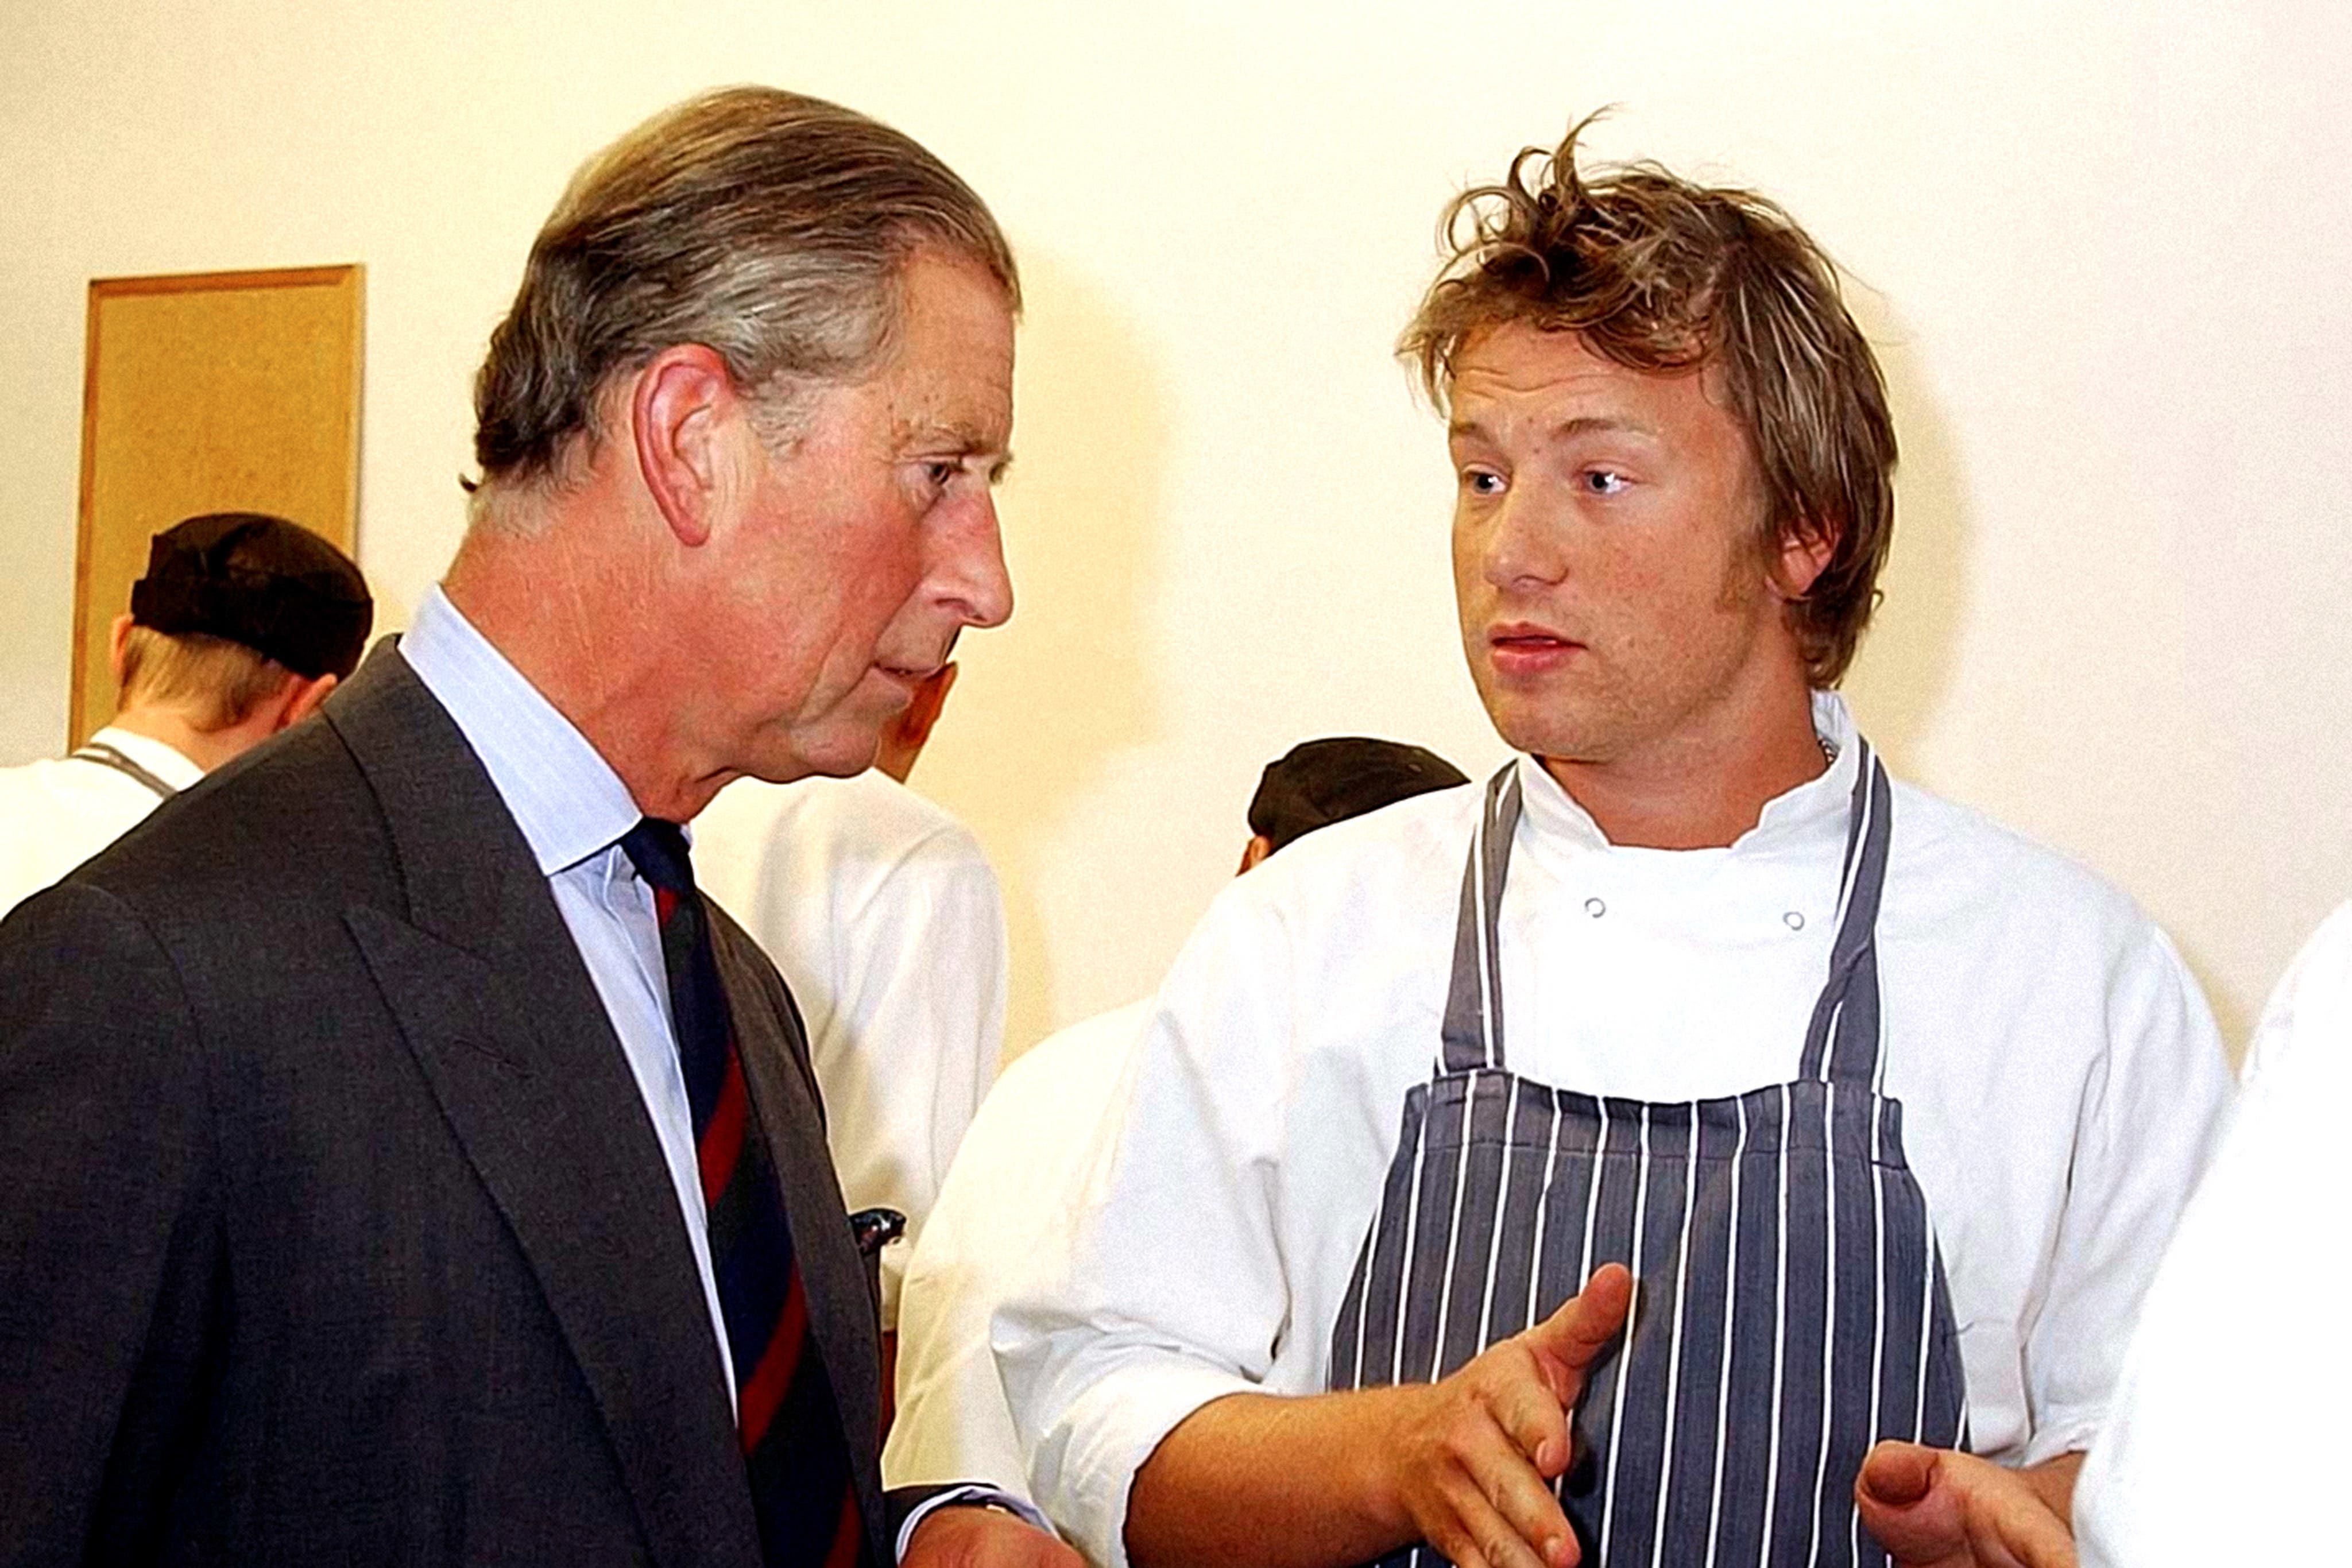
point(399, 1163)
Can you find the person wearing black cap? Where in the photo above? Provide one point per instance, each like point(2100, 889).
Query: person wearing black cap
point(1003, 1216)
point(241, 627)
point(1319, 782)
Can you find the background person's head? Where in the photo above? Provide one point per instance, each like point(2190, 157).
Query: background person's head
point(1319, 782)
point(1659, 273)
point(242, 625)
point(903, 737)
point(737, 436)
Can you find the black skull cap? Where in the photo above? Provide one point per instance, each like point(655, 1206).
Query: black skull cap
point(265, 583)
point(1319, 782)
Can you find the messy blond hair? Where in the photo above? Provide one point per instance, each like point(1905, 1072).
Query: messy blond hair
point(1658, 272)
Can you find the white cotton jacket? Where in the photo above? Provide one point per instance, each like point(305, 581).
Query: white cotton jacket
point(1005, 1219)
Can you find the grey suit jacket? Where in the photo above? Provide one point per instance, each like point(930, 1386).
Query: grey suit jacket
point(332, 1227)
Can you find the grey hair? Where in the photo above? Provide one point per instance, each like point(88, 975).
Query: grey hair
point(767, 225)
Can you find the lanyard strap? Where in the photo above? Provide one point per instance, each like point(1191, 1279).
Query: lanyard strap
point(106, 755)
point(1846, 1015)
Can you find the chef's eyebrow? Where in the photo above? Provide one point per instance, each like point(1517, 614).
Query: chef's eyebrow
point(1566, 430)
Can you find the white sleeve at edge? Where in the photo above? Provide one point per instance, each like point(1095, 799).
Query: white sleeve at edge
point(923, 1017)
point(2153, 1110)
point(1176, 1294)
point(2223, 1443)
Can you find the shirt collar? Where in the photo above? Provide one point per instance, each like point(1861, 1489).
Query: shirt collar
point(564, 796)
point(153, 755)
point(1817, 807)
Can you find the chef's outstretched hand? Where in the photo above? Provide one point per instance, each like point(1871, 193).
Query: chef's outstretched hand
point(1473, 1460)
point(1933, 1508)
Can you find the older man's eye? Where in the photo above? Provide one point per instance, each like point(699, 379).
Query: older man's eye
point(1603, 481)
point(933, 475)
point(1482, 482)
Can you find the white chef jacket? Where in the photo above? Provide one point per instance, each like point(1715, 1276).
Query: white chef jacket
point(886, 920)
point(57, 813)
point(2226, 1441)
point(1004, 1217)
point(2060, 1073)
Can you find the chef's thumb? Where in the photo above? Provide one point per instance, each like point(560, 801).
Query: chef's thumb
point(1586, 1322)
point(1896, 1475)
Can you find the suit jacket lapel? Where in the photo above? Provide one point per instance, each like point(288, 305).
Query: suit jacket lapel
point(842, 1312)
point(506, 1027)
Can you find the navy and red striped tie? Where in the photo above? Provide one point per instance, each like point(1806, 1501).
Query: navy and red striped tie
point(793, 1450)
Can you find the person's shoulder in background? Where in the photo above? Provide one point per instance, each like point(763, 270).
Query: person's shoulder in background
point(2311, 1008)
point(1004, 1218)
point(759, 844)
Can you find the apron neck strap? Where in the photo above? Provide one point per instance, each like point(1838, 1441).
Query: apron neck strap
point(1841, 1043)
point(1473, 998)
point(106, 755)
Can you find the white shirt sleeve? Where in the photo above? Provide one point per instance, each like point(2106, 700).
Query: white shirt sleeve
point(1176, 1293)
point(1004, 1217)
point(911, 1039)
point(2153, 1106)
point(2223, 1445)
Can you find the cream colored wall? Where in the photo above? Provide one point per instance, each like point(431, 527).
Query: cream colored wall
point(2105, 251)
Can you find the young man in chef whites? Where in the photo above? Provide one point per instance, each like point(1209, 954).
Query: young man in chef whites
point(1887, 1111)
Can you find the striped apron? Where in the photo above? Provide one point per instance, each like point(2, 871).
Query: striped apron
point(1790, 1308)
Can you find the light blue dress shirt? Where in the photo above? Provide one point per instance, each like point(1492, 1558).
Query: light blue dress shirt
point(572, 809)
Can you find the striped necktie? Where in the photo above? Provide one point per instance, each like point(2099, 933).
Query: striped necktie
point(793, 1450)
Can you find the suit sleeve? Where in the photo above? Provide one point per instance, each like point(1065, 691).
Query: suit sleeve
point(109, 1243)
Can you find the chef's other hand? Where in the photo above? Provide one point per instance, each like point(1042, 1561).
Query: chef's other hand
point(1473, 1459)
point(1933, 1508)
point(966, 1537)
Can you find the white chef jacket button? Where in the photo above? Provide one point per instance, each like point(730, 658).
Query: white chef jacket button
point(1595, 908)
point(1794, 920)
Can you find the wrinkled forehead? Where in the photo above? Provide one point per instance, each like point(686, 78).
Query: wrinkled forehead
point(949, 368)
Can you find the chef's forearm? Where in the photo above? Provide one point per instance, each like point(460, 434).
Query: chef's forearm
point(1284, 1482)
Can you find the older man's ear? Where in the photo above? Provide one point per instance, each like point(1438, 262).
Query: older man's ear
point(677, 404)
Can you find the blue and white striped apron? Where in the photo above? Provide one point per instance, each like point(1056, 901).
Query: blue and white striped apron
point(1790, 1308)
